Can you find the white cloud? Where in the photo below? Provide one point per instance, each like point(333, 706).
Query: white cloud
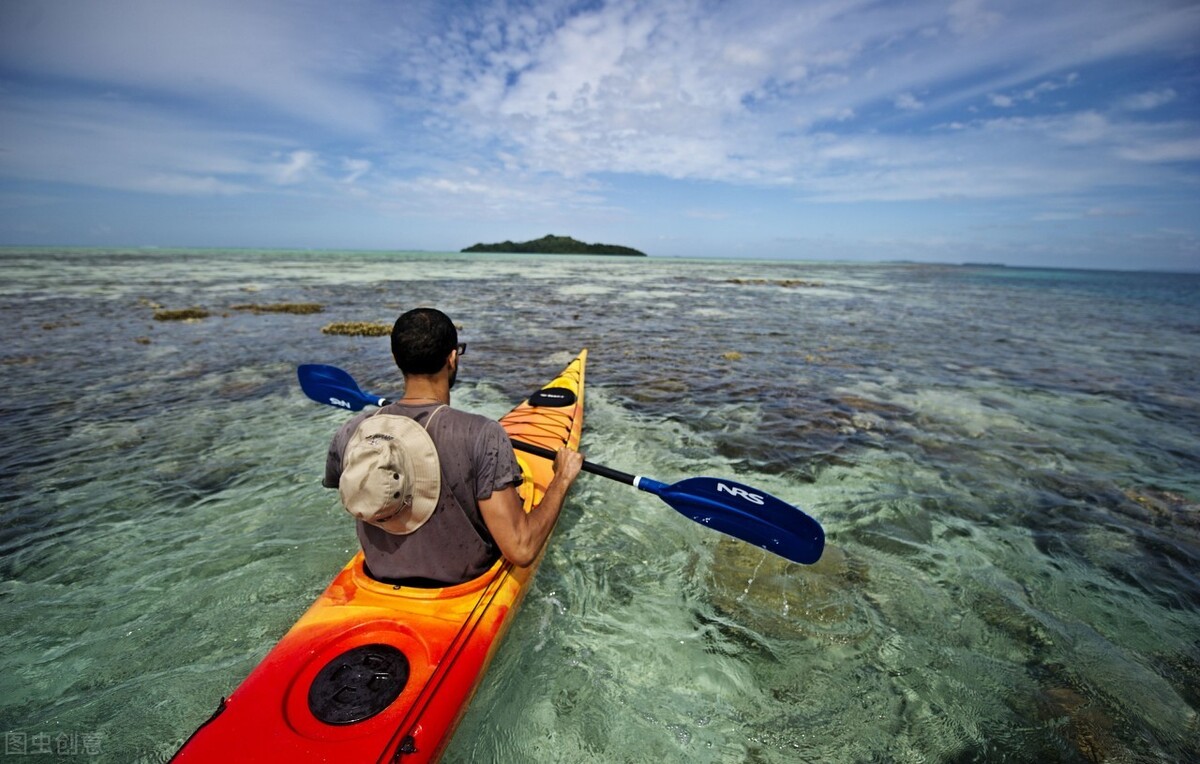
point(1033, 94)
point(1088, 127)
point(739, 54)
point(1108, 212)
point(118, 145)
point(971, 17)
point(296, 168)
point(112, 144)
point(1168, 150)
point(1012, 157)
point(186, 185)
point(835, 114)
point(1063, 215)
point(463, 195)
point(355, 169)
point(689, 90)
point(217, 52)
point(1148, 100)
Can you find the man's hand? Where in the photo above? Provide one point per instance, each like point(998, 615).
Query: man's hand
point(567, 464)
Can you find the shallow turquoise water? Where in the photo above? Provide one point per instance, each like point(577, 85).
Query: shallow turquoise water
point(1005, 461)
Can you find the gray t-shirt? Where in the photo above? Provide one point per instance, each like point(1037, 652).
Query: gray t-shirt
point(455, 545)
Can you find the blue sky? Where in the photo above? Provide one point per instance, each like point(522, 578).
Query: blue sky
point(1053, 133)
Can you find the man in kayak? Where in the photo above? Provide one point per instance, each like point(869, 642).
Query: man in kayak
point(434, 489)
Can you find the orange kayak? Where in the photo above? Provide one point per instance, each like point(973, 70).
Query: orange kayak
point(379, 673)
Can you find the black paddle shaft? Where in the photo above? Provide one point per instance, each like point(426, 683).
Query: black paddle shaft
point(595, 469)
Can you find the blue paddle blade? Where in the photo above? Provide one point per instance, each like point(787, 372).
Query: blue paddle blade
point(331, 385)
point(746, 513)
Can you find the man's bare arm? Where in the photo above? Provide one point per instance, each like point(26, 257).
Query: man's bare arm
point(520, 535)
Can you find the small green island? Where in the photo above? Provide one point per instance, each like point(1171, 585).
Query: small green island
point(555, 245)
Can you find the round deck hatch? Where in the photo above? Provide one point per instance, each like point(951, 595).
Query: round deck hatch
point(358, 684)
point(557, 397)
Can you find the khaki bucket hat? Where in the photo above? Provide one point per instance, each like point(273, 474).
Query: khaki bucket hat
point(391, 477)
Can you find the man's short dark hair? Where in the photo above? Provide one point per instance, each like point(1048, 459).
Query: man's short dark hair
point(422, 339)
